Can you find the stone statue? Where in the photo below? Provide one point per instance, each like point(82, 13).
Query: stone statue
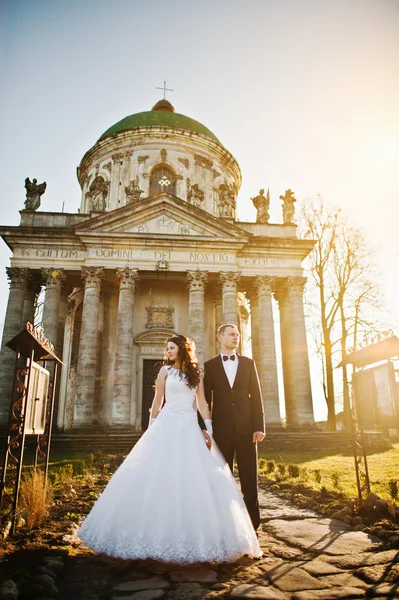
point(288, 207)
point(97, 194)
point(195, 195)
point(133, 192)
point(227, 202)
point(33, 193)
point(262, 204)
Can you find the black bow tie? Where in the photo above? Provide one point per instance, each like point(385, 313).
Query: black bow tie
point(232, 357)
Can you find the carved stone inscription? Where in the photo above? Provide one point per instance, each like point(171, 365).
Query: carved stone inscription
point(159, 316)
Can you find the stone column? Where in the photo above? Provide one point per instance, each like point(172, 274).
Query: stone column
point(86, 371)
point(32, 292)
point(243, 319)
point(217, 301)
point(229, 281)
point(18, 280)
point(196, 281)
point(65, 411)
point(294, 287)
point(124, 347)
point(267, 350)
point(287, 357)
point(53, 280)
point(253, 299)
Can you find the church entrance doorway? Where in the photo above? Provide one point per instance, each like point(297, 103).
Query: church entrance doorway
point(150, 371)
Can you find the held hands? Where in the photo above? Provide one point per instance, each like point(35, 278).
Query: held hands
point(258, 436)
point(208, 433)
point(208, 439)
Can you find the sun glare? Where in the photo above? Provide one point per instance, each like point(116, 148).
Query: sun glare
point(388, 151)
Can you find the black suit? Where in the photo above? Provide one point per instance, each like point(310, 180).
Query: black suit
point(237, 412)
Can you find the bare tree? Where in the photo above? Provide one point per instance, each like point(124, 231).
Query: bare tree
point(342, 268)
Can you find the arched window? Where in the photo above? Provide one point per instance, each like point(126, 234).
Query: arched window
point(162, 179)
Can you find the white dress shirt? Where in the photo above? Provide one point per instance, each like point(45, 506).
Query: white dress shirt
point(230, 367)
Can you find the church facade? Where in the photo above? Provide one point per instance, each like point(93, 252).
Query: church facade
point(155, 249)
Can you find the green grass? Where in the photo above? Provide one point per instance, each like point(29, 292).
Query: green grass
point(382, 467)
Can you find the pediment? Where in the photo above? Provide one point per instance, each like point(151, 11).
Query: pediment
point(162, 215)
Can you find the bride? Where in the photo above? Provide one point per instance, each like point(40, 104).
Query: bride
point(172, 499)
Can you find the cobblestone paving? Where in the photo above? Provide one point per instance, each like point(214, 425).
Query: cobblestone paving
point(306, 557)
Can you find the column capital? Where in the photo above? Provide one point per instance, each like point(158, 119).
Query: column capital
point(18, 277)
point(229, 280)
point(196, 280)
point(265, 284)
point(294, 285)
point(128, 278)
point(93, 276)
point(53, 278)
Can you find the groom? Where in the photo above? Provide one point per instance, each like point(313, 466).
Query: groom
point(233, 393)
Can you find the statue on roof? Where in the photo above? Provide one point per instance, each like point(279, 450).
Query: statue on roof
point(262, 203)
point(288, 207)
point(133, 191)
point(97, 194)
point(227, 202)
point(33, 192)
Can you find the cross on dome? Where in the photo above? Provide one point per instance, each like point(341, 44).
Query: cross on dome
point(165, 89)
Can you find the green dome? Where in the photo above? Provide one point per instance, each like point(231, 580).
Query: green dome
point(162, 115)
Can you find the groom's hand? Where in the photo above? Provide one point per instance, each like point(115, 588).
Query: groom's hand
point(258, 436)
point(208, 440)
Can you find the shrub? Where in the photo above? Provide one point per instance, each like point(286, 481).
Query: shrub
point(35, 499)
point(262, 465)
point(270, 466)
point(393, 488)
point(317, 475)
point(304, 476)
point(79, 467)
point(281, 470)
point(335, 479)
point(293, 471)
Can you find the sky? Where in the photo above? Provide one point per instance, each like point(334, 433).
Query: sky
point(303, 93)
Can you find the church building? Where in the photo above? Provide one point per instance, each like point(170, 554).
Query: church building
point(154, 249)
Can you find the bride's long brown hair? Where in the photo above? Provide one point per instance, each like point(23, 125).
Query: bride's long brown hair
point(186, 360)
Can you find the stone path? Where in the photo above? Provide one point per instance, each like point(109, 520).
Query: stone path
point(306, 557)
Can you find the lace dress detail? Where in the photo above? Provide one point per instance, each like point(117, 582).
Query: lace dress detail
point(172, 499)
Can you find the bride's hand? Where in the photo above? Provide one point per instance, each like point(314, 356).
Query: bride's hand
point(208, 440)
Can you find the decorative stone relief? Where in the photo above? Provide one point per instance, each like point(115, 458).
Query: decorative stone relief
point(143, 228)
point(133, 191)
point(196, 280)
point(244, 313)
point(185, 162)
point(215, 174)
point(184, 230)
point(159, 317)
point(93, 276)
point(262, 203)
point(141, 159)
point(194, 194)
point(128, 278)
point(74, 299)
point(165, 225)
point(226, 201)
point(108, 166)
point(164, 155)
point(34, 191)
point(97, 194)
point(288, 207)
point(202, 161)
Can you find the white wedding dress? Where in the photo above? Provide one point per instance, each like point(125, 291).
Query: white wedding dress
point(172, 499)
